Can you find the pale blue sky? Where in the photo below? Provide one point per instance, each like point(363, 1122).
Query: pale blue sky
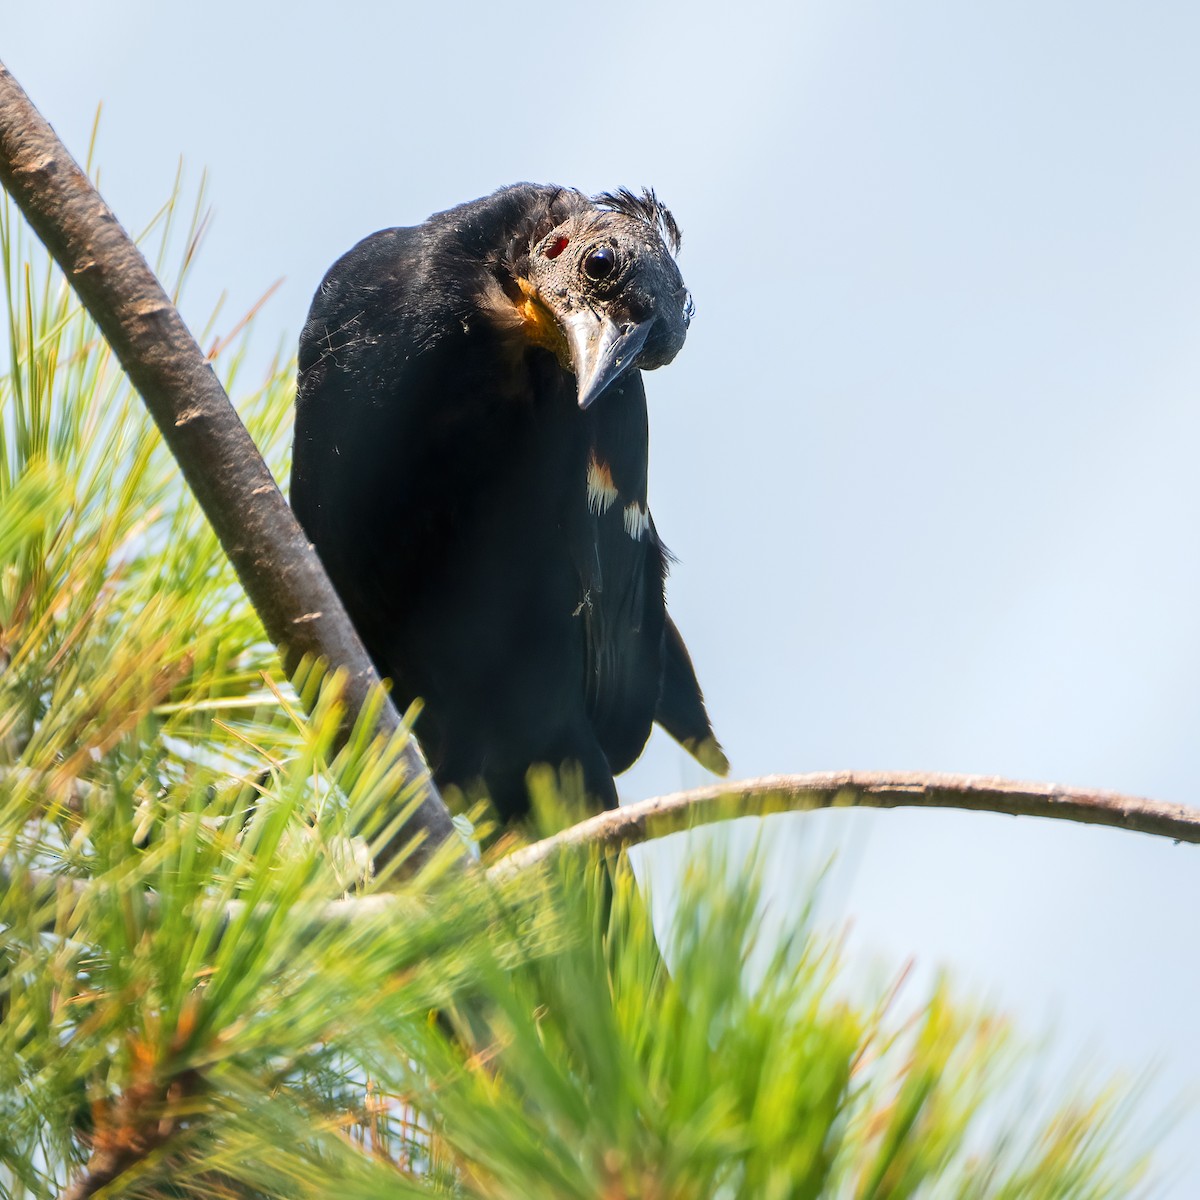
point(929, 457)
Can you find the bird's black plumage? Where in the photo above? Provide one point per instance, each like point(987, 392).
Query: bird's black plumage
point(470, 462)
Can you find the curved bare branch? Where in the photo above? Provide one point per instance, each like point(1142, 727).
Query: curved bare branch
point(649, 819)
point(621, 828)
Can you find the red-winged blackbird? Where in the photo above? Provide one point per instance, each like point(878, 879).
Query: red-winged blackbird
point(470, 462)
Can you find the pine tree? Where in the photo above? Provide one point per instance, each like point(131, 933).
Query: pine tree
point(205, 988)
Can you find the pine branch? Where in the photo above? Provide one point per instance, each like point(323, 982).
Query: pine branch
point(620, 828)
point(278, 568)
point(142, 1120)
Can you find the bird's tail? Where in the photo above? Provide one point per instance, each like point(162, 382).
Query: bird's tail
point(681, 710)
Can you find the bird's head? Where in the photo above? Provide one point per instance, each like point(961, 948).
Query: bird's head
point(602, 290)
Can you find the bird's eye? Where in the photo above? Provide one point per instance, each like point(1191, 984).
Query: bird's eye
point(600, 263)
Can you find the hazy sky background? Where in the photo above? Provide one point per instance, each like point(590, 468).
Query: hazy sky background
point(929, 457)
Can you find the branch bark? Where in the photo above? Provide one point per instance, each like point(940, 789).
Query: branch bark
point(278, 568)
point(621, 828)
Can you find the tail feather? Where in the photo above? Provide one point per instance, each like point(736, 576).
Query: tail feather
point(681, 710)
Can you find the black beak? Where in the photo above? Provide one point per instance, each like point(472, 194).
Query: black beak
point(601, 350)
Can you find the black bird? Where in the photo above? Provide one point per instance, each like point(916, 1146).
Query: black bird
point(470, 463)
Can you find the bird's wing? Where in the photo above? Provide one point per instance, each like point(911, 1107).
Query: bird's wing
point(638, 669)
point(621, 571)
